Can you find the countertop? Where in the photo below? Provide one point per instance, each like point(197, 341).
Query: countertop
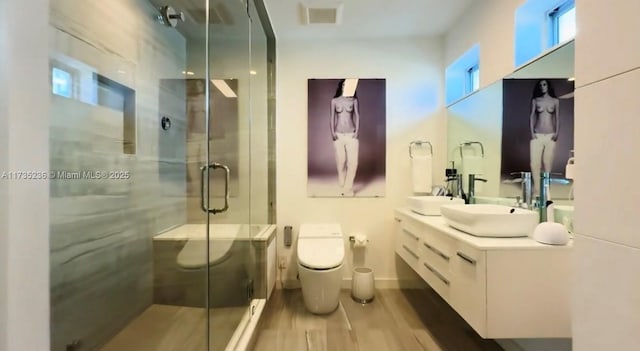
point(482, 243)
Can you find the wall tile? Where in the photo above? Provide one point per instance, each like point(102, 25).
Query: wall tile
point(606, 296)
point(101, 230)
point(606, 196)
point(607, 38)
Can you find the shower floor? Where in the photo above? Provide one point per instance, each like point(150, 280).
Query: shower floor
point(176, 328)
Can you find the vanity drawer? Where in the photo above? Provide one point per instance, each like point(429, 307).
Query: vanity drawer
point(438, 280)
point(437, 250)
point(468, 293)
point(407, 242)
point(408, 255)
point(409, 235)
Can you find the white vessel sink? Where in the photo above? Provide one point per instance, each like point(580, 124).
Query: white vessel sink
point(430, 205)
point(490, 220)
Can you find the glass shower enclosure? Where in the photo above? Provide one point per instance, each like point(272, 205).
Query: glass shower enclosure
point(158, 143)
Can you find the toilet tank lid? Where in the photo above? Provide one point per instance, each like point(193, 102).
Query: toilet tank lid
point(320, 230)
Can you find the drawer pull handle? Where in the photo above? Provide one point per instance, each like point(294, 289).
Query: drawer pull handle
point(436, 251)
point(466, 258)
point(437, 274)
point(410, 234)
point(410, 252)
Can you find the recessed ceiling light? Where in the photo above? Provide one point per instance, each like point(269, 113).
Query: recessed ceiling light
point(189, 73)
point(252, 72)
point(571, 79)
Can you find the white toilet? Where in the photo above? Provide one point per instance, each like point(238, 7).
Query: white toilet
point(320, 256)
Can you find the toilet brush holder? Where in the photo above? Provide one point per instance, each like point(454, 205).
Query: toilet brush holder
point(362, 285)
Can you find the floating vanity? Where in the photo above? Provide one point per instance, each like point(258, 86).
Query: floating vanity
point(503, 287)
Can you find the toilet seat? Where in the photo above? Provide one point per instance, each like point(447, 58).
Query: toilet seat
point(320, 246)
point(320, 253)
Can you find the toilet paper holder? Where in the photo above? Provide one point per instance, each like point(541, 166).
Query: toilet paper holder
point(352, 239)
point(420, 143)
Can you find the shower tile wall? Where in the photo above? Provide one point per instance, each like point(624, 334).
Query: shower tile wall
point(101, 230)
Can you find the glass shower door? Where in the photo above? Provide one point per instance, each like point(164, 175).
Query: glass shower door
point(150, 141)
point(229, 196)
point(130, 253)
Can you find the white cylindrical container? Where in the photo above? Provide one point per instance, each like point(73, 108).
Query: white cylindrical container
point(362, 286)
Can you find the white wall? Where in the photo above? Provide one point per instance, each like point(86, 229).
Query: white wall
point(478, 117)
point(414, 73)
point(24, 225)
point(606, 296)
point(491, 24)
point(558, 63)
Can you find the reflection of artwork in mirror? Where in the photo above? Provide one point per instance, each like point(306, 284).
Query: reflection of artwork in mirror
point(537, 126)
point(346, 137)
point(223, 133)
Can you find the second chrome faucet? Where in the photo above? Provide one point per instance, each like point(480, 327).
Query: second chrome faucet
point(471, 194)
point(529, 199)
point(458, 187)
point(526, 187)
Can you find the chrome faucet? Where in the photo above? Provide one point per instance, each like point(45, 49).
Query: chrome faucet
point(545, 182)
point(455, 187)
point(454, 184)
point(460, 188)
point(544, 195)
point(471, 195)
point(526, 187)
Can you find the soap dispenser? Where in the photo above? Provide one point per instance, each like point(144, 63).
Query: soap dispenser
point(549, 232)
point(569, 168)
point(569, 173)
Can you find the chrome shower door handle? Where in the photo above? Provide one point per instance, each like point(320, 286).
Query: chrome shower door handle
point(203, 170)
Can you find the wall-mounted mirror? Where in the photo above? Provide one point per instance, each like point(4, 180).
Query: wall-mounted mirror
point(525, 117)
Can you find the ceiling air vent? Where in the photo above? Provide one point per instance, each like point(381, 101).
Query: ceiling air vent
point(322, 15)
point(315, 13)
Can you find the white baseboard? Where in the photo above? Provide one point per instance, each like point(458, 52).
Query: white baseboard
point(560, 344)
point(389, 283)
point(380, 283)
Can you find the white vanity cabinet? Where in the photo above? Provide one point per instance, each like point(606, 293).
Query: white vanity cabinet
point(503, 287)
point(469, 291)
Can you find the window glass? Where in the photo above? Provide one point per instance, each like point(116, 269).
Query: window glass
point(61, 82)
point(473, 79)
point(566, 25)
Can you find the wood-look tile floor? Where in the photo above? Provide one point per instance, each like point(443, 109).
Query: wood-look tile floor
point(176, 328)
point(397, 320)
